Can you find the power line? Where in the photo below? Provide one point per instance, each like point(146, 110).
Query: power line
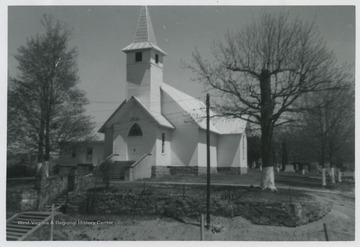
point(171, 101)
point(158, 115)
point(106, 110)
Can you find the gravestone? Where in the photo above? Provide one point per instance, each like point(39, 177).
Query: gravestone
point(289, 168)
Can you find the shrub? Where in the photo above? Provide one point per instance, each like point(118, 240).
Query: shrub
point(21, 171)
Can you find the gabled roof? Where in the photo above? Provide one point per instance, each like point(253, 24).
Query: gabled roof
point(102, 128)
point(144, 36)
point(197, 110)
point(157, 117)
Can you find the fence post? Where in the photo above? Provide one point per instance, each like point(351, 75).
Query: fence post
point(52, 223)
point(326, 233)
point(202, 227)
point(290, 196)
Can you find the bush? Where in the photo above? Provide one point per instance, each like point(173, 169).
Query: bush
point(21, 171)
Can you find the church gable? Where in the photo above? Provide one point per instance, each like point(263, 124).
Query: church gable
point(133, 110)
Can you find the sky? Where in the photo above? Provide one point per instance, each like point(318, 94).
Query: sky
point(100, 32)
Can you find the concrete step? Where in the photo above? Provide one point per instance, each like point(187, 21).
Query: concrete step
point(16, 232)
point(25, 227)
point(31, 216)
point(16, 229)
point(118, 169)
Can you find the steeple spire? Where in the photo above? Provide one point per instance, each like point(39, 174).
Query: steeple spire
point(144, 36)
point(144, 30)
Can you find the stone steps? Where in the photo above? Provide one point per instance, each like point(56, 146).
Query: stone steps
point(117, 170)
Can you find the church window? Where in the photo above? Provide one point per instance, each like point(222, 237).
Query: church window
point(156, 58)
point(138, 56)
point(89, 151)
point(73, 154)
point(135, 130)
point(162, 143)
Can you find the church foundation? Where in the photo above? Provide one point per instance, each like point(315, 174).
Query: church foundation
point(161, 171)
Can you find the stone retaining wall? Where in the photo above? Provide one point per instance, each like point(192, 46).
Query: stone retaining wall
point(232, 170)
point(50, 188)
point(13, 200)
point(84, 182)
point(21, 200)
point(281, 214)
point(263, 213)
point(77, 202)
point(229, 170)
point(29, 199)
point(160, 171)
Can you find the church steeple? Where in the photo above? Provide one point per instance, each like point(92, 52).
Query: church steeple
point(144, 36)
point(144, 64)
point(144, 30)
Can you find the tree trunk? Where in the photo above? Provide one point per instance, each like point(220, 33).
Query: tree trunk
point(339, 175)
point(284, 155)
point(332, 174)
point(322, 157)
point(41, 142)
point(323, 176)
point(47, 139)
point(266, 110)
point(47, 107)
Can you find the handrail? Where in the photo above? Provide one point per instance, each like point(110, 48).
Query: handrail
point(110, 156)
point(141, 159)
point(12, 217)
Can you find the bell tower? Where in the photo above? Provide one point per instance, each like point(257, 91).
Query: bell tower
point(144, 64)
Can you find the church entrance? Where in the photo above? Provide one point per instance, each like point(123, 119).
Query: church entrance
point(135, 143)
point(135, 147)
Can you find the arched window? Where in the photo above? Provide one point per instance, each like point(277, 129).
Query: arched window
point(135, 130)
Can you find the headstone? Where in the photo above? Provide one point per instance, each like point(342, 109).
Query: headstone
point(253, 165)
point(45, 170)
point(289, 168)
point(323, 176)
point(339, 175)
point(332, 174)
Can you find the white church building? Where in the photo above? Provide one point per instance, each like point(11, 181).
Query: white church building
point(161, 129)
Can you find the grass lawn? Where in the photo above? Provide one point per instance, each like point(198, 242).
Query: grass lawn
point(253, 177)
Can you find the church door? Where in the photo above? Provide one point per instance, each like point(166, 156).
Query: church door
point(135, 143)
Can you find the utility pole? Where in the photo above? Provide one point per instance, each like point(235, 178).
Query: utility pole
point(208, 160)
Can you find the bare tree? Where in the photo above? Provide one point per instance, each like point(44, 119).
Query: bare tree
point(263, 70)
point(329, 124)
point(45, 107)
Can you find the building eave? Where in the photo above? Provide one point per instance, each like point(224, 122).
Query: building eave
point(143, 46)
point(162, 122)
